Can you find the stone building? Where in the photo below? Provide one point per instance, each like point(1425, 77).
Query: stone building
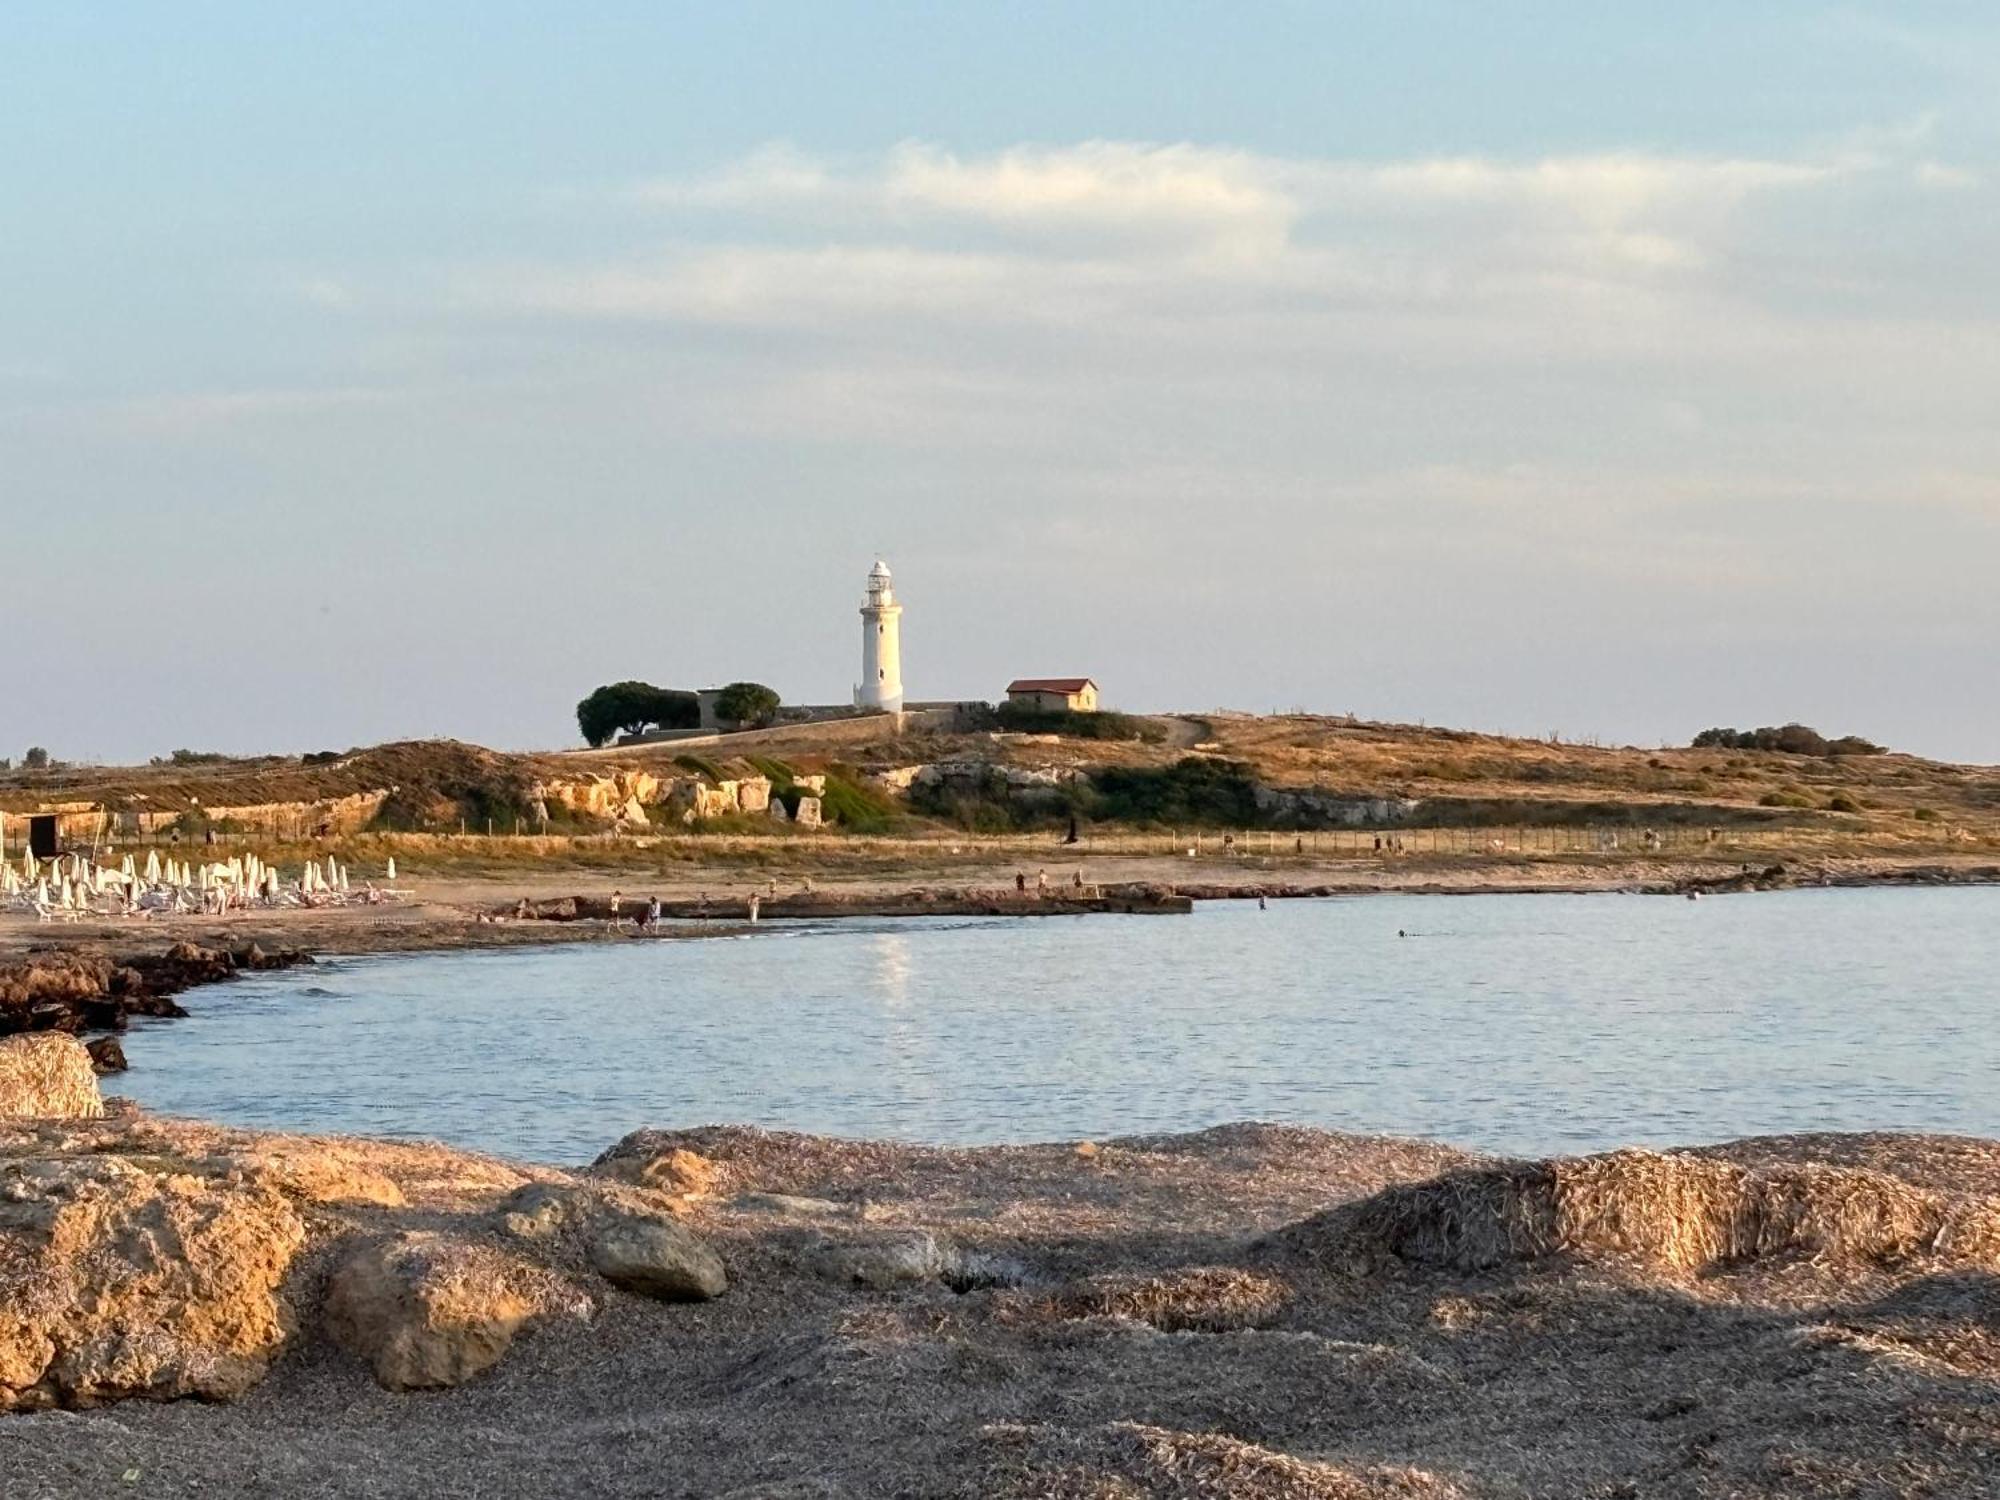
point(1075, 694)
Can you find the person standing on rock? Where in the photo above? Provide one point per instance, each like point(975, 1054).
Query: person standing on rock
point(1042, 884)
point(616, 898)
point(653, 914)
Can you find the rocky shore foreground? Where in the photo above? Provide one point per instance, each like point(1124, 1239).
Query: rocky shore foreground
point(1247, 1311)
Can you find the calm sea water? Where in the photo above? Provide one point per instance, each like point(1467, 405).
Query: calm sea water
point(1516, 1023)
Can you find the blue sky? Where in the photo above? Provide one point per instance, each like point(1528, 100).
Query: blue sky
point(409, 370)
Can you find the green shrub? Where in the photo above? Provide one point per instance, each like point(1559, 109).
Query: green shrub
point(855, 805)
point(1784, 799)
point(1926, 815)
point(1195, 790)
point(193, 758)
point(747, 703)
point(1026, 719)
point(1840, 802)
point(1791, 739)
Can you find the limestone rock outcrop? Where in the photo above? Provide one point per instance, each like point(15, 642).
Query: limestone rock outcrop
point(888, 1259)
point(427, 1310)
point(118, 1282)
point(628, 1236)
point(47, 1076)
point(656, 1258)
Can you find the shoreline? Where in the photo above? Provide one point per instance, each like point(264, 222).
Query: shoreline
point(571, 906)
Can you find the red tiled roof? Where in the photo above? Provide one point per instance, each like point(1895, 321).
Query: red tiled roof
point(1049, 684)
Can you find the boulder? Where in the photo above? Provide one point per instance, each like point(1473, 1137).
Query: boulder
point(106, 1055)
point(655, 1159)
point(656, 1258)
point(426, 1310)
point(628, 1235)
point(680, 1173)
point(715, 801)
point(116, 1282)
point(47, 1076)
point(808, 815)
point(882, 1261)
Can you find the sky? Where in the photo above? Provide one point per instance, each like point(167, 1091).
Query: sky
point(382, 371)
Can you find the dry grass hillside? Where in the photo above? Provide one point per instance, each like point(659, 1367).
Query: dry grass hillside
point(1273, 771)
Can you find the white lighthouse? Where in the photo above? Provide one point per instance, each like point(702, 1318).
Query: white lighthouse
point(881, 683)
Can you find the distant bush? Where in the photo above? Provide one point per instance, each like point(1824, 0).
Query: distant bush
point(747, 703)
point(1925, 814)
point(1025, 718)
point(1784, 799)
point(987, 804)
point(193, 758)
point(634, 708)
point(1840, 802)
point(1790, 739)
point(36, 759)
point(319, 758)
point(1193, 790)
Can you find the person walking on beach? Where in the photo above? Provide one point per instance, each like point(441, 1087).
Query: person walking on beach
point(1020, 882)
point(1042, 884)
point(652, 921)
point(616, 898)
point(756, 905)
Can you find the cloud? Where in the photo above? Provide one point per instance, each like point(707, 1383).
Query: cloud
point(1941, 175)
point(1206, 199)
point(1163, 240)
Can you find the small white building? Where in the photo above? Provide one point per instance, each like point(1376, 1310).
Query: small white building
point(1077, 695)
point(881, 684)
